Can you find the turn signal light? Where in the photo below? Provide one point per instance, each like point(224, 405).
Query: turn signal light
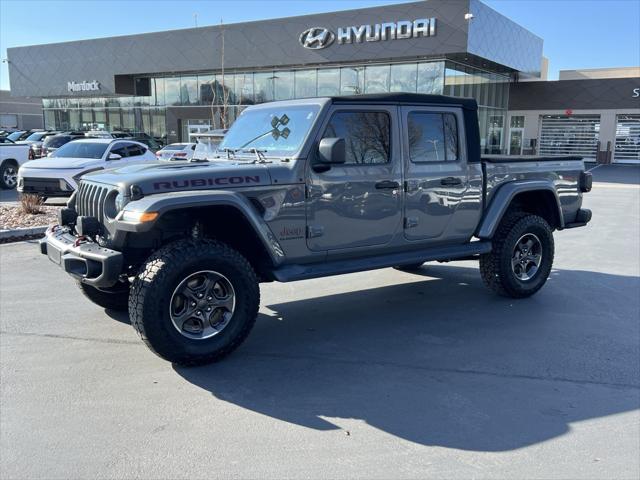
point(138, 217)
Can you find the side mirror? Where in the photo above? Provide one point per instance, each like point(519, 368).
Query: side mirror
point(332, 151)
point(114, 156)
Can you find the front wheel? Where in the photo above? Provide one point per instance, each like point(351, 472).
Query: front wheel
point(521, 258)
point(193, 302)
point(8, 175)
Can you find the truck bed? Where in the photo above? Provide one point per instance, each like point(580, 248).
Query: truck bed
point(561, 171)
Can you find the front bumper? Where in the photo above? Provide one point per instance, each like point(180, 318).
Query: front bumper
point(83, 259)
point(583, 216)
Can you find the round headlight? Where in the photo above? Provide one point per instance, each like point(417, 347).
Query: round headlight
point(119, 202)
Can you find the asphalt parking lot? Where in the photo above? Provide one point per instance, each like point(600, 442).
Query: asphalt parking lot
point(372, 375)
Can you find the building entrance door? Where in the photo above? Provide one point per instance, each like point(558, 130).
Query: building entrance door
point(515, 141)
point(191, 128)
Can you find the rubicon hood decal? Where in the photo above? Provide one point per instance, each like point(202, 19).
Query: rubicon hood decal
point(206, 182)
point(174, 177)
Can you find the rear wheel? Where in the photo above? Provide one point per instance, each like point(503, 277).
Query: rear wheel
point(194, 302)
point(521, 258)
point(116, 298)
point(8, 175)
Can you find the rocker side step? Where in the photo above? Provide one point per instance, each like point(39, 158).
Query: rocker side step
point(290, 273)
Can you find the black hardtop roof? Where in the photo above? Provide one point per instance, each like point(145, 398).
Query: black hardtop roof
point(409, 99)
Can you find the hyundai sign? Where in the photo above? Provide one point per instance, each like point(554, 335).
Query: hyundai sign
point(316, 38)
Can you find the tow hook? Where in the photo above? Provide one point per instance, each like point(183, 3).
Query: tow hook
point(79, 240)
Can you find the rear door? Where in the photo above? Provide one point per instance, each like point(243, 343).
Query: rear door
point(357, 204)
point(442, 198)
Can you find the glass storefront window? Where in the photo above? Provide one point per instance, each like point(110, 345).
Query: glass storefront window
point(305, 82)
point(263, 85)
point(376, 79)
point(158, 125)
point(404, 78)
point(283, 82)
point(223, 89)
point(351, 80)
point(189, 90)
point(328, 82)
point(100, 119)
point(430, 77)
point(243, 91)
point(206, 84)
point(157, 91)
point(115, 122)
point(128, 121)
point(50, 119)
point(172, 90)
point(74, 120)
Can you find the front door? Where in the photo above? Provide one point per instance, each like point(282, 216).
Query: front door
point(358, 203)
point(440, 202)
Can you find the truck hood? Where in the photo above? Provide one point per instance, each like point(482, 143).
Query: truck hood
point(159, 177)
point(64, 163)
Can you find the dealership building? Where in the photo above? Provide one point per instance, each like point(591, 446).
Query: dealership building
point(174, 84)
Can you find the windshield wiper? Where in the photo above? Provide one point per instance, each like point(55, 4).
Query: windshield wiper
point(256, 138)
point(260, 157)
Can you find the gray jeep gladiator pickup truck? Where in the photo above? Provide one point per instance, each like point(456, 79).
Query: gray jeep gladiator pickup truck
point(304, 189)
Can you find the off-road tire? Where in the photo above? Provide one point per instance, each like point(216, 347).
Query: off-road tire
point(153, 287)
point(9, 164)
point(412, 267)
point(117, 299)
point(495, 267)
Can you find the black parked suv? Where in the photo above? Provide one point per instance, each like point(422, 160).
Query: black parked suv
point(53, 142)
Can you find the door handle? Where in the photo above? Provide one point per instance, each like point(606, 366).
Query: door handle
point(450, 181)
point(387, 185)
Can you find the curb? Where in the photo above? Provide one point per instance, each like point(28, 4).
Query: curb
point(18, 233)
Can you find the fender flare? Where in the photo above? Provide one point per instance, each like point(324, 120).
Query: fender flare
point(166, 202)
point(502, 201)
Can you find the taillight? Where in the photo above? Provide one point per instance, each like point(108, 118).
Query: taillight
point(179, 154)
point(32, 156)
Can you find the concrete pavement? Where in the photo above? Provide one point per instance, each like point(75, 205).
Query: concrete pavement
point(381, 374)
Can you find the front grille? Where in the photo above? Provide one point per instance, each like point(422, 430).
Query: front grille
point(90, 199)
point(46, 186)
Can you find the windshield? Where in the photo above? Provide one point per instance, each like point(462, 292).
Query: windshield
point(36, 137)
point(276, 130)
point(56, 140)
point(81, 150)
point(14, 136)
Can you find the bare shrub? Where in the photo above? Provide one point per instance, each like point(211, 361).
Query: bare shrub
point(31, 203)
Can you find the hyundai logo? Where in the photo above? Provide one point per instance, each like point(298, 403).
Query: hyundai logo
point(316, 38)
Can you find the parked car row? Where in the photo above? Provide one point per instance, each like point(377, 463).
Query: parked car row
point(58, 174)
point(50, 164)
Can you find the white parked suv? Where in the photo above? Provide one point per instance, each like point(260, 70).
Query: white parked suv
point(57, 175)
point(12, 155)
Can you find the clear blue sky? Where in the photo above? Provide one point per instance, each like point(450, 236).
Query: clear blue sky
point(576, 33)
